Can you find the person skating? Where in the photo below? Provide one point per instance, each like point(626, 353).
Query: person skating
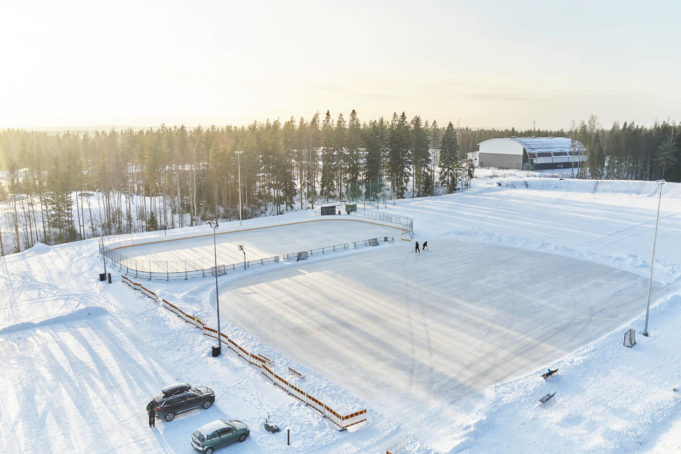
point(152, 413)
point(416, 248)
point(425, 245)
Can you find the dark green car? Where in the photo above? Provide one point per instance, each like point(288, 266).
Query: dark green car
point(218, 433)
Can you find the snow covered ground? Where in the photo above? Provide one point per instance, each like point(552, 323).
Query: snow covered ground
point(443, 349)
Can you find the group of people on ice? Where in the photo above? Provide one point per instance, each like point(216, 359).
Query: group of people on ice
point(418, 250)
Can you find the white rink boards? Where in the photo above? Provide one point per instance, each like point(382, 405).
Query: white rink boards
point(258, 242)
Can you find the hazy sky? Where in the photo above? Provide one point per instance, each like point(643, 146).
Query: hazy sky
point(482, 63)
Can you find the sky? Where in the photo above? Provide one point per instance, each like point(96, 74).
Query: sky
point(475, 63)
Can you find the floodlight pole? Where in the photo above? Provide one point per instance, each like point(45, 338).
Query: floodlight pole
point(241, 248)
point(214, 224)
point(652, 261)
point(238, 164)
point(103, 252)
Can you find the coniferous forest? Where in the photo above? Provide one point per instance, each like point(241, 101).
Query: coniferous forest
point(185, 176)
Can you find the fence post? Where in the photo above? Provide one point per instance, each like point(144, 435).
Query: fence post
point(136, 268)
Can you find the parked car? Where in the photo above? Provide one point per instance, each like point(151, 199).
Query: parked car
point(219, 433)
point(181, 398)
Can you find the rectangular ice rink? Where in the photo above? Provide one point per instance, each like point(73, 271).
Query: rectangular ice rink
point(418, 332)
point(260, 242)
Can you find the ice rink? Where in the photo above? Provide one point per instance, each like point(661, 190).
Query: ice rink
point(259, 242)
point(421, 331)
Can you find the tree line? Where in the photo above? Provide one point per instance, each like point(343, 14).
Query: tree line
point(184, 176)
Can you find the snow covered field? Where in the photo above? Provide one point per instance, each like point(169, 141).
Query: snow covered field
point(443, 349)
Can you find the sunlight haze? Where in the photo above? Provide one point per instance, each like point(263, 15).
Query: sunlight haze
point(482, 64)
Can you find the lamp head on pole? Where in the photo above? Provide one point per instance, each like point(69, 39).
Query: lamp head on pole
point(213, 223)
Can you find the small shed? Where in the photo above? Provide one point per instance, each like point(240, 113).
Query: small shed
point(330, 210)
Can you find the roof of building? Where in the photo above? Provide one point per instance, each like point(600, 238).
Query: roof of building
point(540, 146)
point(537, 144)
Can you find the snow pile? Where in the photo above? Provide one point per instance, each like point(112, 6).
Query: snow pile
point(40, 248)
point(646, 188)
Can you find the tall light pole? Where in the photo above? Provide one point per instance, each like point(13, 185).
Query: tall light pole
point(216, 350)
point(103, 252)
point(652, 261)
point(238, 164)
point(241, 248)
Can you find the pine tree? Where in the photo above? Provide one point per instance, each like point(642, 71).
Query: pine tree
point(665, 157)
point(152, 222)
point(340, 151)
point(596, 158)
point(435, 137)
point(420, 156)
point(59, 202)
point(354, 155)
point(312, 144)
point(376, 143)
point(399, 154)
point(299, 158)
point(328, 157)
point(285, 157)
point(449, 159)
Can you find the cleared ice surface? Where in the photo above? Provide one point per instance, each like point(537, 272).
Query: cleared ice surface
point(418, 333)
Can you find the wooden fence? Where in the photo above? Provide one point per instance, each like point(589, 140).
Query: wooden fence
point(259, 361)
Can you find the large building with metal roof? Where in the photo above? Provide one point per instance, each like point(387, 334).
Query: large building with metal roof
point(531, 153)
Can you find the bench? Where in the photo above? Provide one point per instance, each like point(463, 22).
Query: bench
point(295, 373)
point(547, 397)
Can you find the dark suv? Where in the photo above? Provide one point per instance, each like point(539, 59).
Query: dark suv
point(182, 398)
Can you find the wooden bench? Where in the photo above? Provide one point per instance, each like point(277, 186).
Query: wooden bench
point(547, 397)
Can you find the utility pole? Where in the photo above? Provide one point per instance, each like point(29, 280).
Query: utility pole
point(216, 350)
point(652, 261)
